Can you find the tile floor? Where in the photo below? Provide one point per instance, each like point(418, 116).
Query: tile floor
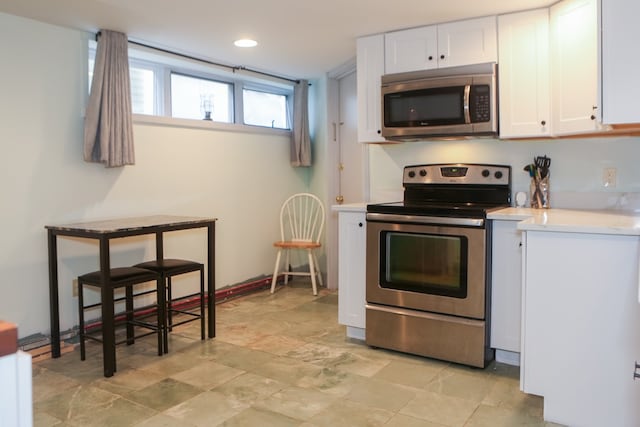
point(277, 360)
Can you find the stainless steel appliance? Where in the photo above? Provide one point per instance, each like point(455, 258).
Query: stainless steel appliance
point(454, 101)
point(428, 262)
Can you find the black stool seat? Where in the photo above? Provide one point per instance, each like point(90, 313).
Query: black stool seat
point(167, 268)
point(125, 277)
point(121, 276)
point(171, 266)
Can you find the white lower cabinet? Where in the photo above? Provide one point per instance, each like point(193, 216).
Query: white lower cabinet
point(506, 278)
point(580, 326)
point(352, 238)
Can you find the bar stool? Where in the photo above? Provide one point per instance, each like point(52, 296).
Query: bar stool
point(125, 277)
point(167, 268)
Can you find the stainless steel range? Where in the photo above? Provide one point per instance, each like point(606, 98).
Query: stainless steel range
point(428, 262)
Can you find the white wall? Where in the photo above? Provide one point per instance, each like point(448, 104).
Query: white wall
point(240, 178)
point(576, 168)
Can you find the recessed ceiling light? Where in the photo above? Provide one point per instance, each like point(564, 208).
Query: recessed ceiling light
point(245, 43)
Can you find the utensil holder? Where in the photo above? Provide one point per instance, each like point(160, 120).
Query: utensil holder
point(539, 190)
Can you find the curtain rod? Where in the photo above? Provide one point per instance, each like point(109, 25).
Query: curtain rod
point(233, 68)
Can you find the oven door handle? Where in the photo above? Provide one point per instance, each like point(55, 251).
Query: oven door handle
point(419, 219)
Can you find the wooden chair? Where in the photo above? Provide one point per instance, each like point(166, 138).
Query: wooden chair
point(301, 226)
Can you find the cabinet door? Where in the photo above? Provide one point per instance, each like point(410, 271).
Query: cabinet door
point(620, 65)
point(473, 41)
point(352, 237)
point(370, 67)
point(574, 66)
point(523, 55)
point(410, 50)
point(506, 288)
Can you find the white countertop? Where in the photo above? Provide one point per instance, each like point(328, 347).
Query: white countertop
point(572, 220)
point(350, 207)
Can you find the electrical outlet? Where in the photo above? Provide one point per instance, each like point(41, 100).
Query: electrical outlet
point(74, 287)
point(609, 176)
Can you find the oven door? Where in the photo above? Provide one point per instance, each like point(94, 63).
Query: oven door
point(434, 268)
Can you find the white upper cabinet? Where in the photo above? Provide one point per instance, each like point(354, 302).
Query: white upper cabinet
point(473, 41)
point(409, 50)
point(620, 61)
point(370, 68)
point(574, 67)
point(523, 58)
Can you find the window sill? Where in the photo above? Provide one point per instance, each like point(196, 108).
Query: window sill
point(206, 125)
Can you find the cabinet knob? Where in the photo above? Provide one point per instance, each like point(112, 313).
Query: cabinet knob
point(593, 117)
point(543, 123)
point(379, 131)
point(430, 58)
point(359, 224)
point(441, 56)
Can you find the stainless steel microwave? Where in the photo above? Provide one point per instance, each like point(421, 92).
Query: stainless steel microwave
point(446, 102)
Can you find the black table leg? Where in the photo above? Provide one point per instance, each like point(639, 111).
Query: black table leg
point(108, 329)
point(211, 279)
point(53, 294)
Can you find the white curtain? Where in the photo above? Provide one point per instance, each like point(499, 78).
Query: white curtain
point(300, 139)
point(108, 127)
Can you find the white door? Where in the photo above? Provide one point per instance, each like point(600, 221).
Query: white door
point(347, 158)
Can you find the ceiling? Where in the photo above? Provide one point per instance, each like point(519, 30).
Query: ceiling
point(297, 38)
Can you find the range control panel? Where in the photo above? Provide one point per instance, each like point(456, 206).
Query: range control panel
point(457, 173)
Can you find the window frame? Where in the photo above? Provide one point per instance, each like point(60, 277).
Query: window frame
point(260, 87)
point(164, 65)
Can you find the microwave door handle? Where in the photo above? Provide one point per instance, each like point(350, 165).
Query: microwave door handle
point(467, 115)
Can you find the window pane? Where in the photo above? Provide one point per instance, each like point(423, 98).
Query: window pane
point(265, 109)
point(142, 86)
point(192, 97)
point(142, 94)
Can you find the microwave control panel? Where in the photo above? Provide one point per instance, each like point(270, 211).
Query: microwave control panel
point(480, 104)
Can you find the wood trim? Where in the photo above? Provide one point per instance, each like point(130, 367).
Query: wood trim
point(8, 338)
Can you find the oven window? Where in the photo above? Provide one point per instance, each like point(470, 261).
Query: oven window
point(425, 263)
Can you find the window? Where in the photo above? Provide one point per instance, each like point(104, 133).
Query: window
point(265, 109)
point(143, 94)
point(162, 85)
point(199, 98)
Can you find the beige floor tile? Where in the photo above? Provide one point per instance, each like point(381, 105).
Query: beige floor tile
point(400, 420)
point(456, 383)
point(207, 409)
point(128, 381)
point(250, 388)
point(330, 380)
point(490, 416)
point(162, 420)
point(253, 417)
point(47, 384)
point(352, 414)
point(418, 375)
point(440, 409)
point(207, 375)
point(164, 394)
point(381, 394)
point(295, 402)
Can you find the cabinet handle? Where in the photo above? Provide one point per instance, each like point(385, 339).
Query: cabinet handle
point(543, 123)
